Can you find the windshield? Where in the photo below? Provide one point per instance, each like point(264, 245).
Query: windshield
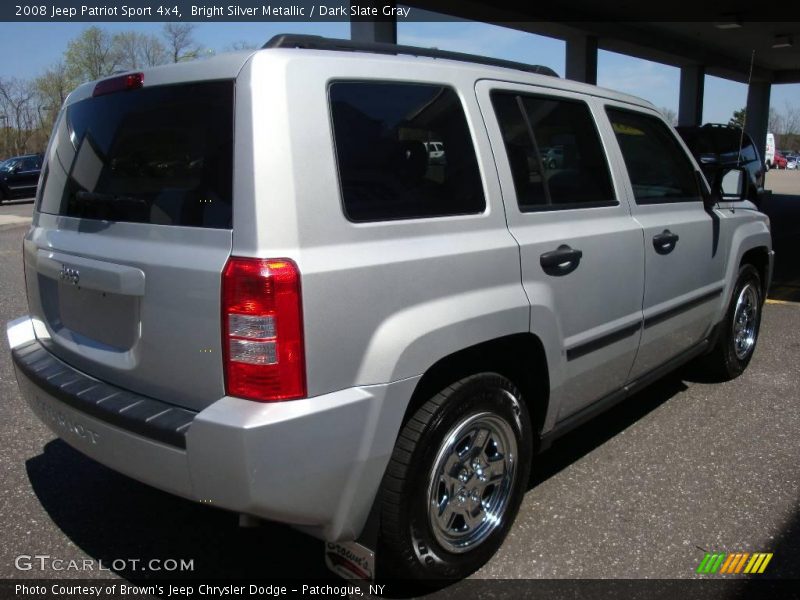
point(160, 155)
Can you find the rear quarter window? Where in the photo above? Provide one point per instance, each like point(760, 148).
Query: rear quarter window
point(404, 151)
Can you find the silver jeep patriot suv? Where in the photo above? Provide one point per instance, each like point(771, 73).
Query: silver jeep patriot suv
point(251, 284)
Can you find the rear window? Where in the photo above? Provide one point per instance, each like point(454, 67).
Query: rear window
point(161, 155)
point(404, 151)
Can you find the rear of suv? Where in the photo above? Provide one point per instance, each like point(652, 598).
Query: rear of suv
point(252, 286)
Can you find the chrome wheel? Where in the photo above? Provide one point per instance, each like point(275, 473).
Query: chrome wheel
point(745, 321)
point(471, 481)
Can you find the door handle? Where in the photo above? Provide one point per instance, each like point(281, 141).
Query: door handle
point(561, 261)
point(665, 242)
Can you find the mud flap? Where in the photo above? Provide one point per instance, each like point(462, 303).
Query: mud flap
point(356, 560)
point(350, 560)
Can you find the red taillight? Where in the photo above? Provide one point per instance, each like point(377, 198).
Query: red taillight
point(131, 81)
point(262, 329)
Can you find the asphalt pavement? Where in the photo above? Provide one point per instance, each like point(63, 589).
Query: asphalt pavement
point(644, 491)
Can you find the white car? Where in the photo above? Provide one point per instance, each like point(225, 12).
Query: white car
point(435, 152)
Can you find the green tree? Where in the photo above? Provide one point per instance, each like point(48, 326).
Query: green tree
point(51, 88)
point(738, 117)
point(91, 55)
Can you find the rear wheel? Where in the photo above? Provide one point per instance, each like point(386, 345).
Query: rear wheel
point(455, 480)
point(737, 339)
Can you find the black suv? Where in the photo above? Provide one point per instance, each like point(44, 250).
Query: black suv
point(19, 176)
point(715, 145)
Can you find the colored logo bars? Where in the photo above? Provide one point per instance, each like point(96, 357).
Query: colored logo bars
point(734, 562)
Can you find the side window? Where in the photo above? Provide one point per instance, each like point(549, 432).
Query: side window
point(658, 167)
point(404, 151)
point(748, 153)
point(554, 152)
point(30, 164)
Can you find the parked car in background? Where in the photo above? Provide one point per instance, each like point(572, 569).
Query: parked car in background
point(791, 161)
point(435, 152)
point(19, 176)
point(779, 162)
point(716, 144)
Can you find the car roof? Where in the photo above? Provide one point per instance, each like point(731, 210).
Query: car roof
point(228, 66)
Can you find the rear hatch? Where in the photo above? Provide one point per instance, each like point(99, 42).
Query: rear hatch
point(131, 233)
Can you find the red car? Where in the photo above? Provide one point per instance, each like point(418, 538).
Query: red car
point(779, 162)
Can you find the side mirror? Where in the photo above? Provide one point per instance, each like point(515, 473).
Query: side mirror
point(728, 183)
point(16, 168)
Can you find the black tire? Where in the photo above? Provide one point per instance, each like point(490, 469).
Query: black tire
point(725, 360)
point(410, 546)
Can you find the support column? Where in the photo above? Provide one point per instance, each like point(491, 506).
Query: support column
point(582, 59)
point(758, 113)
point(367, 29)
point(690, 103)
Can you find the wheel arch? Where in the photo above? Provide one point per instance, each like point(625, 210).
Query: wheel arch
point(759, 258)
point(519, 357)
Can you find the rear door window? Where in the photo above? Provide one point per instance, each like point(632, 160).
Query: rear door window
point(554, 151)
point(389, 166)
point(160, 155)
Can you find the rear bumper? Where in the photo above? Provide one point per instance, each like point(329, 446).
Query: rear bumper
point(314, 463)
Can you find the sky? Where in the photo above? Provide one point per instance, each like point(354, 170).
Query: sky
point(29, 48)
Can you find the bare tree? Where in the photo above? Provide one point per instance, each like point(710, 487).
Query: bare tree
point(180, 41)
point(91, 55)
point(774, 122)
point(670, 115)
point(17, 99)
point(791, 119)
point(138, 50)
point(241, 45)
point(153, 52)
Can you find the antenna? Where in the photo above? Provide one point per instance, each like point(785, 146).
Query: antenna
point(744, 120)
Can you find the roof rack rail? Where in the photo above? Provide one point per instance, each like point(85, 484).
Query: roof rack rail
point(318, 42)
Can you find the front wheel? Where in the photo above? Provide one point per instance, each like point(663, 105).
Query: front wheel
point(455, 481)
point(737, 339)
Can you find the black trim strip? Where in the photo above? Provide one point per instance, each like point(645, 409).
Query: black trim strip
point(141, 415)
point(602, 341)
point(671, 312)
point(587, 413)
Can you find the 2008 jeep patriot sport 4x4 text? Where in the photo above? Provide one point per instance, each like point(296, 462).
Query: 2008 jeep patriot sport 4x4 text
point(250, 284)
